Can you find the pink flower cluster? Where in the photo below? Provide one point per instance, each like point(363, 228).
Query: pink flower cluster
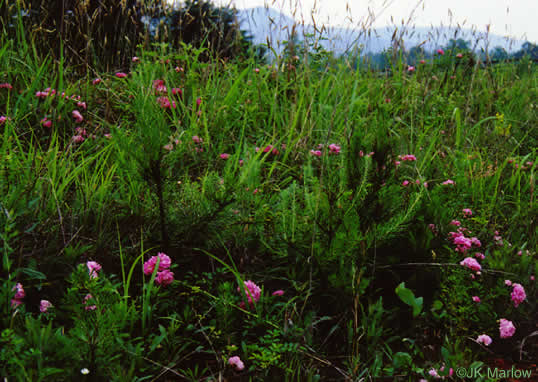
point(448, 182)
point(164, 276)
point(518, 294)
point(506, 328)
point(44, 305)
point(467, 212)
point(6, 86)
point(236, 361)
point(484, 339)
point(19, 295)
point(93, 268)
point(407, 157)
point(86, 299)
point(471, 263)
point(334, 149)
point(252, 291)
point(463, 244)
point(165, 103)
point(269, 148)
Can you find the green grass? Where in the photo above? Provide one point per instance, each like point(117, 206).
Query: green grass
point(338, 233)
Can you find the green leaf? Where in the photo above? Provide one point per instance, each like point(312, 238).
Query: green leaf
point(408, 297)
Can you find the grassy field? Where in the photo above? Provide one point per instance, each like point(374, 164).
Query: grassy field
point(383, 226)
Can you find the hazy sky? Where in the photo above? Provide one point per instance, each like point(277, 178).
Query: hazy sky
point(516, 18)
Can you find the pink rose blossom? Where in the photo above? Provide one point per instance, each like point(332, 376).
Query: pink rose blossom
point(3, 119)
point(467, 212)
point(410, 69)
point(224, 156)
point(506, 328)
point(518, 294)
point(476, 299)
point(440, 52)
point(135, 59)
point(164, 277)
point(422, 62)
point(459, 55)
point(507, 282)
point(484, 339)
point(532, 277)
point(236, 361)
point(479, 255)
point(44, 305)
point(456, 223)
point(164, 263)
point(19, 292)
point(434, 373)
point(93, 268)
point(252, 291)
point(405, 183)
point(316, 153)
point(78, 139)
point(471, 263)
point(279, 292)
point(121, 75)
point(82, 105)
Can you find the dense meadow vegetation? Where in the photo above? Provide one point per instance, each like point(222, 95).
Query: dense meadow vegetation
point(185, 217)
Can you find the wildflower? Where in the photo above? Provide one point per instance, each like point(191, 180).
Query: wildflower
point(3, 119)
point(448, 182)
point(462, 243)
point(532, 277)
point(44, 305)
point(93, 268)
point(267, 148)
point(425, 184)
point(78, 117)
point(164, 277)
point(479, 255)
point(86, 299)
point(471, 263)
point(506, 328)
point(440, 52)
point(252, 291)
point(198, 101)
point(6, 86)
point(459, 55)
point(78, 139)
point(518, 294)
point(236, 361)
point(19, 295)
point(241, 162)
point(432, 228)
point(279, 292)
point(82, 105)
point(197, 139)
point(434, 373)
point(168, 147)
point(96, 81)
point(467, 212)
point(476, 242)
point(476, 299)
point(121, 75)
point(135, 59)
point(224, 156)
point(165, 103)
point(417, 181)
point(484, 339)
point(316, 153)
point(45, 122)
point(456, 223)
point(408, 157)
point(177, 91)
point(422, 62)
point(257, 70)
point(405, 183)
point(410, 69)
point(84, 371)
point(397, 162)
point(334, 149)
point(164, 263)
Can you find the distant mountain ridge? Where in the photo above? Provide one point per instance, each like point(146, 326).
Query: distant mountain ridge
point(267, 25)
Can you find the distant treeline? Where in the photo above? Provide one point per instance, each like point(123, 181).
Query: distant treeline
point(414, 55)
